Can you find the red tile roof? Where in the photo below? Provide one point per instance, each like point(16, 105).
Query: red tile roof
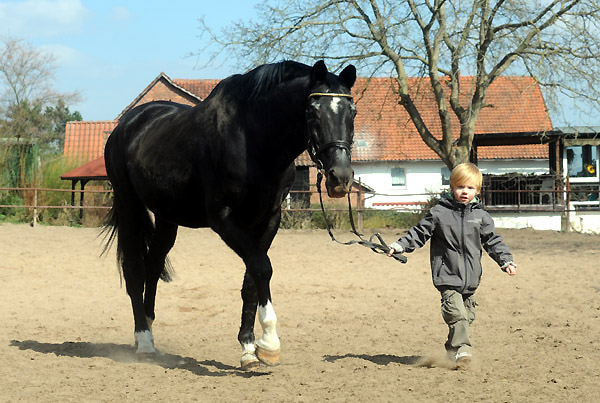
point(522, 151)
point(85, 140)
point(94, 169)
point(384, 131)
point(200, 88)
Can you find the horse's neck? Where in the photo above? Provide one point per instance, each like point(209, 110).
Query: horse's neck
point(284, 126)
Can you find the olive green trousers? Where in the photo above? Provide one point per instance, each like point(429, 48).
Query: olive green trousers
point(458, 311)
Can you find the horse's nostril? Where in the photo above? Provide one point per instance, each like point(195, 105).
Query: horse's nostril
point(339, 176)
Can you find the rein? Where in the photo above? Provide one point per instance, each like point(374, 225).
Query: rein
point(377, 247)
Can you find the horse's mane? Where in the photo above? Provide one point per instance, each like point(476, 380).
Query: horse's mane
point(264, 78)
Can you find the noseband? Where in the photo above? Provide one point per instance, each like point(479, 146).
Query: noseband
point(315, 150)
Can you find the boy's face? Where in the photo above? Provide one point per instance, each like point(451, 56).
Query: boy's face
point(464, 193)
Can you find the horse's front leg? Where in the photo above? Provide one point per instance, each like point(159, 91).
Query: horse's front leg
point(252, 248)
point(246, 334)
point(268, 346)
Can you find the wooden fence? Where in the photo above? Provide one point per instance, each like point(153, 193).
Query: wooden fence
point(35, 206)
point(547, 200)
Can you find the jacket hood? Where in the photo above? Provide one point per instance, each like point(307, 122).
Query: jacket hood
point(448, 201)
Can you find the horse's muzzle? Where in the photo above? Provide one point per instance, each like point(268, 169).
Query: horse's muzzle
point(339, 182)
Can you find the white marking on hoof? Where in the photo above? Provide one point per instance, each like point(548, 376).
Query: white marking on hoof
point(268, 321)
point(268, 357)
point(144, 342)
point(249, 359)
point(267, 347)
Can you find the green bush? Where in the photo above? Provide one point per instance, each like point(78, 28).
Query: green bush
point(389, 219)
point(49, 178)
point(11, 214)
point(339, 219)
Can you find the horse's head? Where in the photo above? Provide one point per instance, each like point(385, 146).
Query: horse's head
point(330, 115)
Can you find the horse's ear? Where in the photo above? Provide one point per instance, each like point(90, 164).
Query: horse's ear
point(348, 76)
point(318, 72)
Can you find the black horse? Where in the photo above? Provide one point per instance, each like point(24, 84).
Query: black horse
point(227, 164)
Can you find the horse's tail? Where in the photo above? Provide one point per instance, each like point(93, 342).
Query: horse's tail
point(127, 211)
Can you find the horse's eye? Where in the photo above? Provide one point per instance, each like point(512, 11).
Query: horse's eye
point(353, 109)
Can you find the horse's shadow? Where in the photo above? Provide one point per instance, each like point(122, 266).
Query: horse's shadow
point(379, 359)
point(124, 353)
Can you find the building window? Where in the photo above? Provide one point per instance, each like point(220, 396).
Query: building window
point(398, 177)
point(582, 162)
point(445, 176)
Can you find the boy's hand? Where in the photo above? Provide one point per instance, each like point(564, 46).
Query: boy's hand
point(511, 270)
point(395, 247)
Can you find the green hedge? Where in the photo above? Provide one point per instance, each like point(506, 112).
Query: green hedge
point(372, 218)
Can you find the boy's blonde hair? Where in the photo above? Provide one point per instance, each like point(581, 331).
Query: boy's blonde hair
point(466, 174)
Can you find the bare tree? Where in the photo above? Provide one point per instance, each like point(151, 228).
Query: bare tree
point(26, 87)
point(26, 74)
point(30, 109)
point(554, 41)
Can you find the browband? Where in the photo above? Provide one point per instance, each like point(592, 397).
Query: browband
point(329, 94)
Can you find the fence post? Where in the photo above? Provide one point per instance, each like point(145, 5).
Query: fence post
point(35, 203)
point(359, 206)
point(568, 206)
point(518, 193)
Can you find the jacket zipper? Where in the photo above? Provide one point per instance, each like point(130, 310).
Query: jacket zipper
point(462, 236)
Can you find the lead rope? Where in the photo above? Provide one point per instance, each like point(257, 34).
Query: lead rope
point(377, 247)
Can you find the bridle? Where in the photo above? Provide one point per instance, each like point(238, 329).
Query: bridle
point(314, 149)
point(375, 242)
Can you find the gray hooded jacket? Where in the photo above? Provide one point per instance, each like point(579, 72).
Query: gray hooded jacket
point(458, 232)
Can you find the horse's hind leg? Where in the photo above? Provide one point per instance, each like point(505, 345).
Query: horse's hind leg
point(133, 247)
point(162, 242)
point(134, 228)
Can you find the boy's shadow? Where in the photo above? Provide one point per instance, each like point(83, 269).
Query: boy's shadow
point(379, 359)
point(125, 353)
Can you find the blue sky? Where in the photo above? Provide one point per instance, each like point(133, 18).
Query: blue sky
point(109, 50)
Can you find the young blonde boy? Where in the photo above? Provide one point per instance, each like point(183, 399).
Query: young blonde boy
point(458, 228)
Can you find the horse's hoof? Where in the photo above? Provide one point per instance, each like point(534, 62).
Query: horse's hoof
point(249, 361)
point(146, 357)
point(144, 342)
point(268, 357)
point(145, 350)
point(249, 364)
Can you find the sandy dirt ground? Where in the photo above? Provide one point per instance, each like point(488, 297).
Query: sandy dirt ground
point(354, 325)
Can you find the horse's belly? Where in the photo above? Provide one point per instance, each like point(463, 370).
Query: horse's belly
point(180, 214)
point(176, 202)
